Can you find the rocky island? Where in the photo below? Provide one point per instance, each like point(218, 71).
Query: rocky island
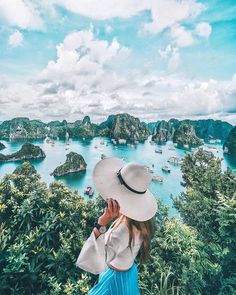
point(128, 128)
point(23, 128)
point(163, 132)
point(74, 163)
point(230, 143)
point(27, 151)
point(184, 136)
point(204, 129)
point(2, 146)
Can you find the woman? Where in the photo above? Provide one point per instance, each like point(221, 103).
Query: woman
point(111, 253)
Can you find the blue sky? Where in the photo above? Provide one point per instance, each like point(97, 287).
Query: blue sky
point(64, 59)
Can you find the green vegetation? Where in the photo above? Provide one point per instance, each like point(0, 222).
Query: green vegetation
point(27, 151)
point(230, 143)
point(42, 230)
point(185, 134)
point(74, 163)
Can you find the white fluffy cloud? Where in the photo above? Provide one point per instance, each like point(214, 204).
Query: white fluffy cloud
point(15, 39)
point(20, 13)
point(166, 13)
point(83, 80)
point(181, 36)
point(203, 29)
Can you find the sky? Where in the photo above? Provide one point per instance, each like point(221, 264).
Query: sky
point(154, 59)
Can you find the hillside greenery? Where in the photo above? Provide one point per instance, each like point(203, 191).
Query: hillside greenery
point(42, 229)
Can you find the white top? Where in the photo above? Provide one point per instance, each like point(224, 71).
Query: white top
point(109, 248)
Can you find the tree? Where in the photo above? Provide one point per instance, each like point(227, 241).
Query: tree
point(208, 205)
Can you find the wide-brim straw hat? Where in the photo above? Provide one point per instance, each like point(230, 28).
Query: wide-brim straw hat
point(128, 184)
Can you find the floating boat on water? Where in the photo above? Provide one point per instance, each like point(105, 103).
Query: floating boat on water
point(66, 148)
point(166, 168)
point(132, 145)
point(159, 151)
point(96, 147)
point(215, 141)
point(83, 138)
point(157, 178)
point(212, 147)
point(102, 142)
point(151, 142)
point(121, 140)
point(171, 148)
point(152, 165)
point(186, 146)
point(175, 160)
point(67, 143)
point(89, 191)
point(151, 171)
point(103, 156)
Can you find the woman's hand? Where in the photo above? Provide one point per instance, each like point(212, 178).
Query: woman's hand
point(110, 212)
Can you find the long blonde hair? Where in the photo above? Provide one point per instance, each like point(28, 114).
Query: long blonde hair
point(146, 229)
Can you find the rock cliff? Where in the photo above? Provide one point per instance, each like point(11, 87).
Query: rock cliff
point(27, 151)
point(185, 135)
point(230, 143)
point(74, 163)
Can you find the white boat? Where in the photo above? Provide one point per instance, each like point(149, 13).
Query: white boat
point(121, 140)
point(171, 148)
point(175, 160)
point(159, 151)
point(157, 178)
point(83, 138)
point(89, 191)
point(186, 146)
point(166, 168)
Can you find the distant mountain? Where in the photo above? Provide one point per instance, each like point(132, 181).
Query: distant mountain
point(204, 129)
point(119, 126)
point(230, 143)
point(184, 135)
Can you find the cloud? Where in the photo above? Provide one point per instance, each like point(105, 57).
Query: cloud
point(181, 36)
point(166, 13)
point(20, 13)
point(203, 29)
point(87, 77)
point(106, 9)
point(16, 39)
point(171, 55)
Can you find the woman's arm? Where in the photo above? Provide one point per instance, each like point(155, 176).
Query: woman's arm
point(109, 213)
point(92, 254)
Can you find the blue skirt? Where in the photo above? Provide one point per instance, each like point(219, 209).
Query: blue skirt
point(113, 282)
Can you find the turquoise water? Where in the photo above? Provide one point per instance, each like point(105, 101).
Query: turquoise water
point(143, 153)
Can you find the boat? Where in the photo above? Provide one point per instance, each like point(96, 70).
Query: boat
point(151, 142)
point(66, 148)
point(171, 148)
point(152, 165)
point(103, 156)
point(96, 147)
point(132, 145)
point(102, 142)
point(186, 146)
point(211, 147)
point(157, 178)
point(159, 151)
point(89, 191)
point(166, 168)
point(175, 160)
point(83, 138)
point(151, 171)
point(67, 143)
point(122, 141)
